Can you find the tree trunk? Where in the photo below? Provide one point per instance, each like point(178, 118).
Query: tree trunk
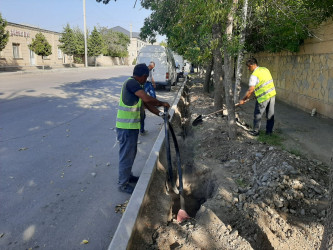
point(327, 242)
point(95, 61)
point(217, 65)
point(240, 53)
point(208, 75)
point(228, 69)
point(43, 62)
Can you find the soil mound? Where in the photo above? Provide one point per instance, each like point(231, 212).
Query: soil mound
point(250, 194)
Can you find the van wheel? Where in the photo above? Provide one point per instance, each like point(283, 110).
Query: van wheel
point(168, 87)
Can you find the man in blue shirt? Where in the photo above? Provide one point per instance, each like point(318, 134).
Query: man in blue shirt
point(150, 90)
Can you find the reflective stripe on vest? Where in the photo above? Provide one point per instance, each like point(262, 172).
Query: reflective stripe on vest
point(128, 117)
point(265, 89)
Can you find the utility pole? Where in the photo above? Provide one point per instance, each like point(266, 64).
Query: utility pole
point(85, 35)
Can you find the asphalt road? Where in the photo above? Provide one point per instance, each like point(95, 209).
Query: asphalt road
point(58, 157)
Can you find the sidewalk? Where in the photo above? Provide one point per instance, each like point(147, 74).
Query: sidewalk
point(62, 69)
point(312, 136)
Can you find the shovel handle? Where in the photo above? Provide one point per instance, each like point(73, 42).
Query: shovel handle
point(237, 104)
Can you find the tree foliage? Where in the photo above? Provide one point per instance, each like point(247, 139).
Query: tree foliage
point(95, 43)
point(4, 34)
point(67, 40)
point(115, 42)
point(285, 24)
point(40, 45)
point(104, 1)
point(78, 41)
point(185, 25)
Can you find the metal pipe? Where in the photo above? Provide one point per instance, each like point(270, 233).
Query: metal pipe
point(85, 35)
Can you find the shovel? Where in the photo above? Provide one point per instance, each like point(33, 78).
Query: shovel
point(198, 120)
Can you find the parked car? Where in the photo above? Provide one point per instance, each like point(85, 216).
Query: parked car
point(164, 72)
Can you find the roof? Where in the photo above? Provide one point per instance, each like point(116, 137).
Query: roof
point(126, 32)
point(31, 27)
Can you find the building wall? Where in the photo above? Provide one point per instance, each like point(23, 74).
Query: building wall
point(134, 48)
point(304, 79)
point(107, 61)
point(23, 35)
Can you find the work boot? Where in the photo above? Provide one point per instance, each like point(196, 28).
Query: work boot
point(133, 179)
point(126, 188)
point(269, 133)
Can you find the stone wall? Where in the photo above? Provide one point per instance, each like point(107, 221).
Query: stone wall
point(107, 61)
point(304, 79)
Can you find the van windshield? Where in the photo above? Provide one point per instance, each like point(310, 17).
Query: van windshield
point(159, 60)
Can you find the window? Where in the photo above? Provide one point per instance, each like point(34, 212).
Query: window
point(59, 53)
point(16, 50)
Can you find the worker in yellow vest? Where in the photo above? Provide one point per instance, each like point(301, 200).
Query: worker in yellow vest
point(132, 99)
point(261, 83)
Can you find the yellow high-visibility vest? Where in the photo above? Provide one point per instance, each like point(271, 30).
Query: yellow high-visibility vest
point(128, 117)
point(265, 89)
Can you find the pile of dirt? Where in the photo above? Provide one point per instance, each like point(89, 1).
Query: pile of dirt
point(249, 194)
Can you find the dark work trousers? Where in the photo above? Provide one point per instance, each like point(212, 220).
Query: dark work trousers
point(142, 120)
point(259, 110)
point(128, 139)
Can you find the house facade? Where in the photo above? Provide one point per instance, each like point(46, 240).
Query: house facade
point(17, 55)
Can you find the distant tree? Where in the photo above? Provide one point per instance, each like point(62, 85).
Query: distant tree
point(164, 44)
point(41, 46)
point(68, 42)
point(4, 34)
point(95, 44)
point(79, 45)
point(115, 42)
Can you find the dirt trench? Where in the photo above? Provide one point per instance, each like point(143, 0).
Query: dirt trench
point(240, 194)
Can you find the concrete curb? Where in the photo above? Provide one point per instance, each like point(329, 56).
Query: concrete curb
point(126, 226)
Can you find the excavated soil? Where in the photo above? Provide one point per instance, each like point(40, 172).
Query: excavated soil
point(241, 194)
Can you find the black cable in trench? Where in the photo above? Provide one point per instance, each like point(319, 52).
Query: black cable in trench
point(168, 127)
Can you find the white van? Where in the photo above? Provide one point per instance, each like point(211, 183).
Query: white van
point(164, 72)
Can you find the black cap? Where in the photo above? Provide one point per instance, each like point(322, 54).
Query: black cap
point(140, 70)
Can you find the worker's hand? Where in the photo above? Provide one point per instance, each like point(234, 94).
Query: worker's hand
point(241, 102)
point(165, 104)
point(154, 85)
point(163, 114)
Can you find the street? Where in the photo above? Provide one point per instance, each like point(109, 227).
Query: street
point(59, 157)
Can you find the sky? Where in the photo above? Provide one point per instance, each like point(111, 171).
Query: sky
point(55, 14)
